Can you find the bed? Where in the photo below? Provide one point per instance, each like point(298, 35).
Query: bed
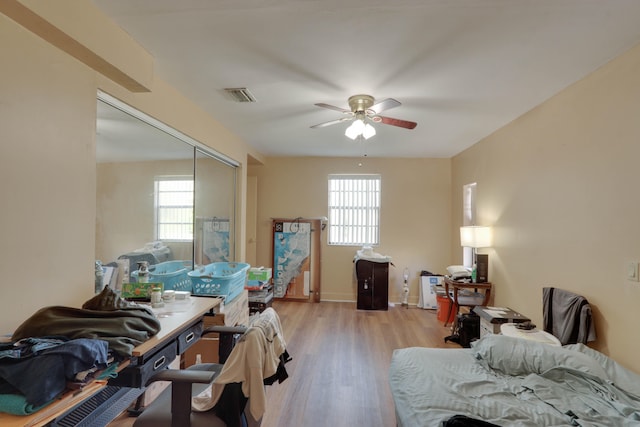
point(510, 381)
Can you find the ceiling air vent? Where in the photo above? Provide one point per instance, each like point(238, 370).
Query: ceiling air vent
point(239, 94)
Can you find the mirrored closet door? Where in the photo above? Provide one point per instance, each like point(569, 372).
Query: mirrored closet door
point(160, 196)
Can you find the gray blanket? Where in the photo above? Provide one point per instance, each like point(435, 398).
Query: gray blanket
point(513, 382)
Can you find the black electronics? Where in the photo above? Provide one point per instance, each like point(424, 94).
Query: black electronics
point(526, 326)
point(482, 268)
point(468, 328)
point(465, 329)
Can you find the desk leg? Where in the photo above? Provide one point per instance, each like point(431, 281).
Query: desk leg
point(451, 304)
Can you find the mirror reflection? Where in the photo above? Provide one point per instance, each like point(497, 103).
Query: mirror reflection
point(162, 204)
point(214, 225)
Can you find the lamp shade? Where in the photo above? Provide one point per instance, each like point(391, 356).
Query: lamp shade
point(368, 131)
point(351, 132)
point(475, 236)
point(359, 127)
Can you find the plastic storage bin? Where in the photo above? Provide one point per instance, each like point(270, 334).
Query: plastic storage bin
point(173, 274)
point(225, 279)
point(443, 309)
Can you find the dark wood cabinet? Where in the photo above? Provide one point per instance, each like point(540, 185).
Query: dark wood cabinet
point(373, 285)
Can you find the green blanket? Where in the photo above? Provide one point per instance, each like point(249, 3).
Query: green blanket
point(16, 404)
point(123, 325)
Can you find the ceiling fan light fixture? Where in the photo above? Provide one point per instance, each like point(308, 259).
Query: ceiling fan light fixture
point(368, 131)
point(358, 127)
point(363, 108)
point(351, 133)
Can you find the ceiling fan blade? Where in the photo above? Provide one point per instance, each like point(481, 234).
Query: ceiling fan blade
point(385, 104)
point(332, 122)
point(396, 122)
point(333, 107)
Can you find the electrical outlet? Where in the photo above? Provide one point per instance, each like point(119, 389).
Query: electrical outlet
point(632, 271)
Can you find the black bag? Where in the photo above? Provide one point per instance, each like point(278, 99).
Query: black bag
point(464, 421)
point(468, 328)
point(465, 329)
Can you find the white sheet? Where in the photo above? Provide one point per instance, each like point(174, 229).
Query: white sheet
point(431, 385)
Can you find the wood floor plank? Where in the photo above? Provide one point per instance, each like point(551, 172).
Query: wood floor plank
point(339, 373)
point(341, 356)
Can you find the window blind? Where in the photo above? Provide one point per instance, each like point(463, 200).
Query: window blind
point(174, 208)
point(354, 209)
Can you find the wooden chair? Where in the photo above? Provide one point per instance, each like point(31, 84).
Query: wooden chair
point(466, 295)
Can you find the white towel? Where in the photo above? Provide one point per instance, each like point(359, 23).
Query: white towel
point(256, 356)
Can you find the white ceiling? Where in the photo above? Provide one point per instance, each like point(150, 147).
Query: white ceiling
point(121, 137)
point(461, 68)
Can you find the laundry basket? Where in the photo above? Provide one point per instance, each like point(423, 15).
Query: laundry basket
point(172, 273)
point(225, 279)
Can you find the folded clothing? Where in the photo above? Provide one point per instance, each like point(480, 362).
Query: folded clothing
point(27, 347)
point(42, 377)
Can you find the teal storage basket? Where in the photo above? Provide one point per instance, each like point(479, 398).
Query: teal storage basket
point(223, 279)
point(172, 273)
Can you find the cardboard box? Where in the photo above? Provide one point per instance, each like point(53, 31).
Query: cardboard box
point(259, 273)
point(139, 290)
point(206, 347)
point(234, 313)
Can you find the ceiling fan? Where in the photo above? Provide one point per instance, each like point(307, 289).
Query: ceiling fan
point(363, 109)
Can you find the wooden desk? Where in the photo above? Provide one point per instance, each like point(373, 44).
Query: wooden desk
point(458, 286)
point(175, 318)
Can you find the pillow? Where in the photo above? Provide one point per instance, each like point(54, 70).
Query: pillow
point(517, 356)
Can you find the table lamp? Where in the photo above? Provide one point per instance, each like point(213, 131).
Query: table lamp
point(475, 237)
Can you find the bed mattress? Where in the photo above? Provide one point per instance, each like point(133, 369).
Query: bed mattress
point(512, 382)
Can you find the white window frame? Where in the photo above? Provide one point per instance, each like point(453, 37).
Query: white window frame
point(186, 204)
point(468, 217)
point(354, 209)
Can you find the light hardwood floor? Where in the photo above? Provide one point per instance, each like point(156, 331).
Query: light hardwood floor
point(339, 372)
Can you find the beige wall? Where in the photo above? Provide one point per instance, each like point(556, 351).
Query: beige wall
point(560, 188)
point(47, 176)
point(47, 153)
point(415, 215)
point(252, 219)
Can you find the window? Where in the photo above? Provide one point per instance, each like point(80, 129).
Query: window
point(354, 210)
point(174, 208)
point(468, 217)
